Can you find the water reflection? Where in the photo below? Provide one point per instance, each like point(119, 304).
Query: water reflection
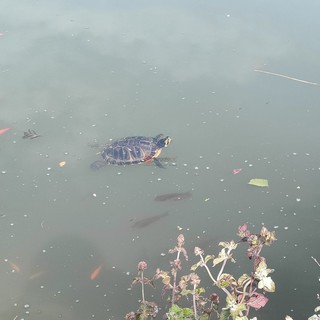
point(61, 284)
point(82, 71)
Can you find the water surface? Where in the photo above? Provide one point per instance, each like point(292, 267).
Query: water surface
point(80, 72)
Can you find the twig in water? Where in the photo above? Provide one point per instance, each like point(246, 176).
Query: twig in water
point(315, 260)
point(287, 77)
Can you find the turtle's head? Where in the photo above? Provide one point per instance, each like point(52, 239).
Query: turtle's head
point(163, 141)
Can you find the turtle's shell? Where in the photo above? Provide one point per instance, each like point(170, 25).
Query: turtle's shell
point(132, 150)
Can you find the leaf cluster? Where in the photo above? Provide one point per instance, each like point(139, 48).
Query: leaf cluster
point(230, 297)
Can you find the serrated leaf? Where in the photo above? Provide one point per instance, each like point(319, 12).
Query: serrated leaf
point(227, 280)
point(257, 301)
point(185, 292)
point(243, 279)
point(208, 258)
point(166, 280)
point(225, 314)
point(235, 310)
point(221, 257)
point(267, 284)
point(195, 266)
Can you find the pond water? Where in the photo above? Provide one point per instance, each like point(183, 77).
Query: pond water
point(85, 72)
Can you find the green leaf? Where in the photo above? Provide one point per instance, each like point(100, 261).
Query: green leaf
point(185, 292)
point(259, 182)
point(208, 258)
point(235, 310)
point(225, 314)
point(243, 279)
point(195, 266)
point(177, 313)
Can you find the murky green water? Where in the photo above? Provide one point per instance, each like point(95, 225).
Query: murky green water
point(80, 72)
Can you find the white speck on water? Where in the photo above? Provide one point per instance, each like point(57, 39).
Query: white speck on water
point(94, 195)
point(298, 199)
point(286, 228)
point(275, 227)
point(159, 179)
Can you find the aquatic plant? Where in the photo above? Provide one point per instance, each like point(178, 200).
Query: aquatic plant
point(189, 300)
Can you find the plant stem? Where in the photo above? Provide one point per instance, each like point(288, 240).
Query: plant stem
point(212, 278)
point(194, 301)
point(142, 287)
point(223, 265)
point(174, 280)
point(208, 270)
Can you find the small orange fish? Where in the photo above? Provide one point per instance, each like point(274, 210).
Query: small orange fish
point(94, 274)
point(14, 267)
point(2, 131)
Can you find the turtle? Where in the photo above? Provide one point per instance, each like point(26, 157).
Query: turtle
point(132, 150)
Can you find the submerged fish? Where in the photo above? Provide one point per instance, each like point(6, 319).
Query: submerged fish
point(94, 274)
point(144, 222)
point(173, 196)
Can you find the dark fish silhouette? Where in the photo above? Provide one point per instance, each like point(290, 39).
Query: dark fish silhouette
point(30, 134)
point(144, 222)
point(173, 197)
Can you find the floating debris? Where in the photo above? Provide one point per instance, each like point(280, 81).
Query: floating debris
point(173, 197)
point(144, 222)
point(30, 134)
point(287, 77)
point(62, 164)
point(236, 171)
point(259, 182)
